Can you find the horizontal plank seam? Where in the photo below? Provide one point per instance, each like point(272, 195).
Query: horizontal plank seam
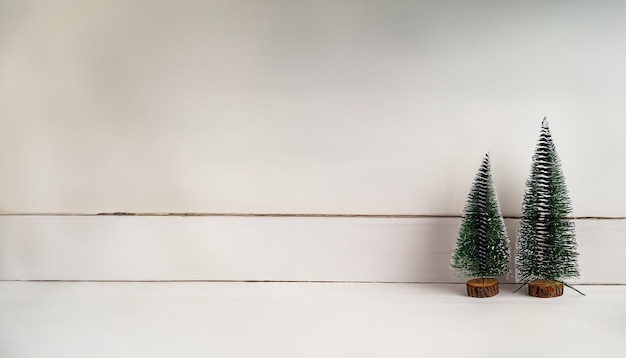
point(285, 281)
point(286, 215)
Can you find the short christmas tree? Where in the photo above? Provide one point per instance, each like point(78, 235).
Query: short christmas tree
point(482, 248)
point(546, 243)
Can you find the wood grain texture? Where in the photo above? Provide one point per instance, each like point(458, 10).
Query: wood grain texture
point(545, 288)
point(482, 287)
point(263, 248)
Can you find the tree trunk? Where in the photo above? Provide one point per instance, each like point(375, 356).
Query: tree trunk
point(482, 287)
point(545, 288)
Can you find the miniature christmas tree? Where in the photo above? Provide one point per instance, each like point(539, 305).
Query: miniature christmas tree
point(546, 243)
point(482, 249)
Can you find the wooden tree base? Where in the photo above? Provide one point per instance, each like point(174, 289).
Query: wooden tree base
point(545, 288)
point(482, 287)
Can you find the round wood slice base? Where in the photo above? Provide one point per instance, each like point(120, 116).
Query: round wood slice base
point(482, 287)
point(545, 288)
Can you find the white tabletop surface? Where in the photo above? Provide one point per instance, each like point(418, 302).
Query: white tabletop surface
point(239, 319)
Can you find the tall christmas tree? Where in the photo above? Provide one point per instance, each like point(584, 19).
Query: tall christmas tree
point(546, 242)
point(482, 248)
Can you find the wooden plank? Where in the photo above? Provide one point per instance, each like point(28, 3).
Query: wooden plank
point(262, 248)
point(371, 107)
point(130, 320)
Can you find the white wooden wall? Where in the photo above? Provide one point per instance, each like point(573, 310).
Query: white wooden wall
point(380, 109)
